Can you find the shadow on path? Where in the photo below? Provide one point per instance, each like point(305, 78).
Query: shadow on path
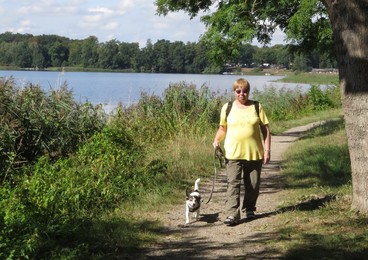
point(209, 238)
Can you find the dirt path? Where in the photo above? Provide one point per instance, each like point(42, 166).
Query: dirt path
point(209, 238)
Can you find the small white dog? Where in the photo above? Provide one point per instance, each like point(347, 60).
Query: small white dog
point(193, 203)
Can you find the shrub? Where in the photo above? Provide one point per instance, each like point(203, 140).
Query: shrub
point(56, 198)
point(34, 123)
point(319, 100)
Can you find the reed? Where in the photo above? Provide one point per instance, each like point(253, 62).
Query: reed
point(34, 123)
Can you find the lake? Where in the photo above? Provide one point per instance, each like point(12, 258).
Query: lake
point(109, 88)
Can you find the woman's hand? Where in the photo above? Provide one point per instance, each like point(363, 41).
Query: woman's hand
point(216, 144)
point(266, 156)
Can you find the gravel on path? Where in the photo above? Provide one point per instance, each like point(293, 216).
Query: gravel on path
point(209, 238)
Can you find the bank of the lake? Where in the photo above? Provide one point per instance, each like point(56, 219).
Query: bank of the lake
point(110, 88)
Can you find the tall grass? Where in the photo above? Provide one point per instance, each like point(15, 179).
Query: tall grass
point(285, 104)
point(183, 110)
point(34, 123)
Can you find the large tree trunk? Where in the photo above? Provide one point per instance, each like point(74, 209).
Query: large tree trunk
point(349, 19)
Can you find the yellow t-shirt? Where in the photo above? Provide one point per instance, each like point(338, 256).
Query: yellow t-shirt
point(243, 137)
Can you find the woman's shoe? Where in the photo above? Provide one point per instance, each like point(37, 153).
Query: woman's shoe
point(250, 215)
point(230, 221)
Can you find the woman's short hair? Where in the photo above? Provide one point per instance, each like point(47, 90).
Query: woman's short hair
point(241, 83)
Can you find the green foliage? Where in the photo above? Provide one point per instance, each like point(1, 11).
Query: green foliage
point(39, 52)
point(281, 104)
point(183, 111)
point(313, 78)
point(310, 28)
point(315, 162)
point(62, 206)
point(232, 23)
point(191, 7)
point(318, 179)
point(34, 123)
point(321, 100)
point(285, 104)
point(189, 108)
point(301, 63)
point(47, 205)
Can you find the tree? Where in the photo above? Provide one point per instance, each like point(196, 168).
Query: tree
point(127, 53)
point(40, 54)
point(161, 52)
point(349, 19)
point(145, 60)
point(75, 53)
point(264, 55)
point(283, 56)
point(89, 52)
point(246, 55)
point(300, 63)
point(23, 55)
point(336, 25)
point(109, 55)
point(6, 53)
point(59, 54)
point(177, 57)
point(196, 60)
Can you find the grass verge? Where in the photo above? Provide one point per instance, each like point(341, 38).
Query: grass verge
point(316, 220)
point(312, 78)
point(278, 127)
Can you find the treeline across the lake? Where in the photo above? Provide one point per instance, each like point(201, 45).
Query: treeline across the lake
point(45, 51)
point(68, 171)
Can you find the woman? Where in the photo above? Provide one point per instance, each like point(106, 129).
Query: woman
point(244, 150)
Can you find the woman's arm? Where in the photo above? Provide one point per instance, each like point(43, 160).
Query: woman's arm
point(267, 143)
point(220, 135)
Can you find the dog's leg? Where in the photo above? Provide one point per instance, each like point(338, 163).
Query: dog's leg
point(186, 214)
point(197, 214)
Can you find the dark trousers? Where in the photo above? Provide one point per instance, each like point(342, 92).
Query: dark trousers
point(251, 173)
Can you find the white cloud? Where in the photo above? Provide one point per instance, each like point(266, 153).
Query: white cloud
point(127, 4)
point(101, 11)
point(91, 19)
point(110, 26)
point(25, 22)
point(123, 20)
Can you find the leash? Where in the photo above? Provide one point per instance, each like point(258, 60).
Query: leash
point(219, 155)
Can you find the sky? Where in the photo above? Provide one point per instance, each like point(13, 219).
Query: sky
point(123, 20)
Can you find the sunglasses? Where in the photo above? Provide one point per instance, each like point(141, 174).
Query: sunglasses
point(244, 91)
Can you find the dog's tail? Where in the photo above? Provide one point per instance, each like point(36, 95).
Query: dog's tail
point(196, 184)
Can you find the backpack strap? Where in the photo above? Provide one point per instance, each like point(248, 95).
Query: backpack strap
point(230, 104)
point(256, 104)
